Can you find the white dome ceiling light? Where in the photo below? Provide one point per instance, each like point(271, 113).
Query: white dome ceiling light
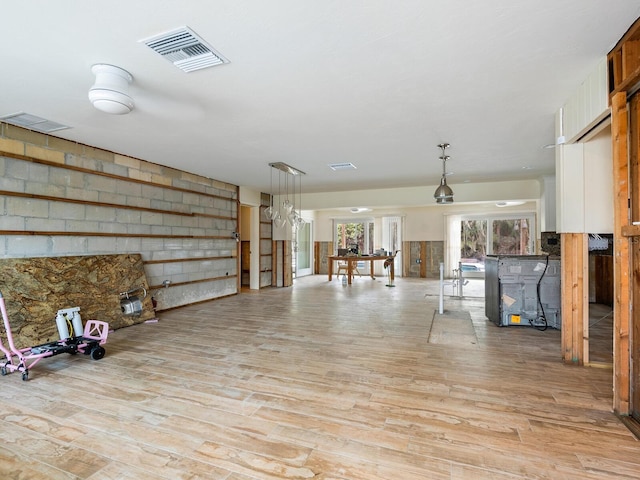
point(110, 92)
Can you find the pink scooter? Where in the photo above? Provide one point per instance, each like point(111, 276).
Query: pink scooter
point(89, 343)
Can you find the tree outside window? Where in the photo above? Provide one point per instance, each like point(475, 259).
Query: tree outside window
point(348, 234)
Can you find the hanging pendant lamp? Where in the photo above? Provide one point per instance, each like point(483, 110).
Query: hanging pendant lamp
point(285, 211)
point(443, 193)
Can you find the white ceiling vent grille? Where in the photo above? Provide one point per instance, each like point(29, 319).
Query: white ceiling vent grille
point(33, 122)
point(185, 49)
point(342, 166)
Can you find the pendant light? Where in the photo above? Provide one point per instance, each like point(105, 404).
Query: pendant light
point(287, 211)
point(443, 193)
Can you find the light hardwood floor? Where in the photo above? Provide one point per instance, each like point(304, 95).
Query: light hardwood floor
point(316, 381)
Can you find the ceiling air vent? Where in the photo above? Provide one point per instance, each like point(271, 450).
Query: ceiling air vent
point(33, 122)
point(342, 166)
point(185, 49)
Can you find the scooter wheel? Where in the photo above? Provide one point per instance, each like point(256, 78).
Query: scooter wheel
point(97, 353)
point(3, 371)
point(25, 376)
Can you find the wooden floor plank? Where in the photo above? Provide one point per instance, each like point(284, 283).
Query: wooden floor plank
point(317, 381)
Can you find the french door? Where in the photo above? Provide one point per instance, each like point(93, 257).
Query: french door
point(303, 250)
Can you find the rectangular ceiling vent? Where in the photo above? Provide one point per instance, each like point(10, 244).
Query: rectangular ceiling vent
point(185, 49)
point(33, 122)
point(342, 166)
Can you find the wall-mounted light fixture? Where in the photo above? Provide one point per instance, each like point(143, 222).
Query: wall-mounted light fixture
point(443, 193)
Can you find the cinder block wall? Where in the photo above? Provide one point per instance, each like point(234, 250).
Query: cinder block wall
point(424, 259)
point(61, 198)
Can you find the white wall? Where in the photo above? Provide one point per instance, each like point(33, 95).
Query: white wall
point(585, 185)
point(423, 219)
point(584, 176)
point(570, 188)
point(588, 106)
point(547, 221)
point(599, 183)
point(420, 223)
point(249, 196)
point(423, 196)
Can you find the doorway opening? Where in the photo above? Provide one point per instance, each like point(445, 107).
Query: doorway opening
point(302, 250)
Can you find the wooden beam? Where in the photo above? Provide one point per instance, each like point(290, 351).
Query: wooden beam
point(624, 62)
point(316, 258)
point(274, 263)
point(406, 258)
point(575, 299)
point(287, 275)
point(621, 306)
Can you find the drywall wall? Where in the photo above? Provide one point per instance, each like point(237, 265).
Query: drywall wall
point(490, 192)
point(598, 178)
point(420, 223)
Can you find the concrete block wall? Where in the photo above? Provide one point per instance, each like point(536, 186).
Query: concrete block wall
point(60, 198)
point(434, 251)
point(323, 250)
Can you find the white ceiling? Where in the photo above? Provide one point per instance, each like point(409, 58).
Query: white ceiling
point(378, 83)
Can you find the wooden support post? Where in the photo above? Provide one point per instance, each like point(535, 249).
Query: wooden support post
point(316, 258)
point(423, 259)
point(274, 263)
point(622, 305)
point(575, 298)
point(287, 266)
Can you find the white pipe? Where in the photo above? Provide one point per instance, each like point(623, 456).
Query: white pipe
point(441, 300)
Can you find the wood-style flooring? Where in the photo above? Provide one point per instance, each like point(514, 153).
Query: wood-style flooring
point(317, 381)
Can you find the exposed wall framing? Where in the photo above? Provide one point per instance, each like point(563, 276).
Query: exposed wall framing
point(624, 80)
point(575, 298)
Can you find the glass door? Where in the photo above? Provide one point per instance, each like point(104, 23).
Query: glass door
point(354, 236)
point(493, 235)
point(304, 251)
point(392, 240)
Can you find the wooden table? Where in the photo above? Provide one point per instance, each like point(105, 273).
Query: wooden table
point(351, 259)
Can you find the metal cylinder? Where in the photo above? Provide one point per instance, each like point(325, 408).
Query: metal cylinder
point(61, 323)
point(76, 321)
point(441, 299)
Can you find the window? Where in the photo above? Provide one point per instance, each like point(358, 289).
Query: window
point(357, 233)
point(511, 237)
point(494, 235)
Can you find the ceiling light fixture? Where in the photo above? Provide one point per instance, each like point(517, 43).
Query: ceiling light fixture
point(443, 193)
point(110, 92)
point(286, 212)
point(509, 203)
